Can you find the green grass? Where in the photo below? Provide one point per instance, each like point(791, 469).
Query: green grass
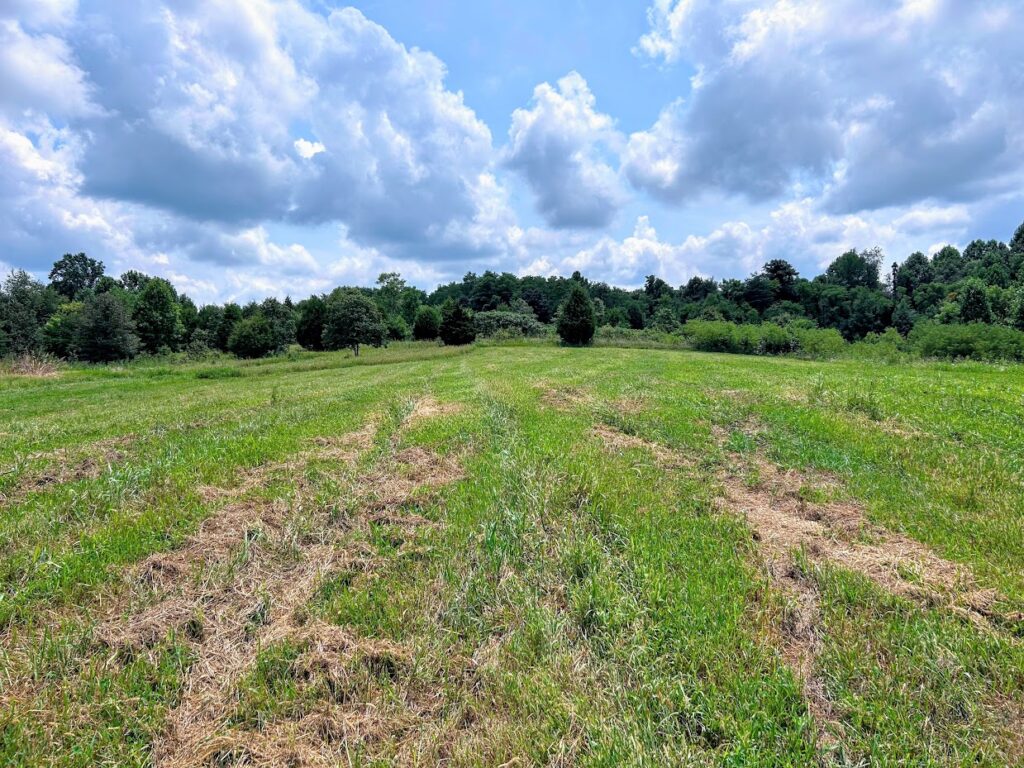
point(561, 603)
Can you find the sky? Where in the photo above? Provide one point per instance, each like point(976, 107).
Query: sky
point(247, 148)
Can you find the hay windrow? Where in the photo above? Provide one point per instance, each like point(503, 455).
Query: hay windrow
point(260, 605)
point(616, 441)
point(429, 408)
point(798, 512)
point(64, 465)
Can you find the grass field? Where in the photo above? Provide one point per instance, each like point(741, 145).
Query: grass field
point(509, 556)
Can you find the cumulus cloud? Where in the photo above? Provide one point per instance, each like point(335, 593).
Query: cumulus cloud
point(187, 111)
point(795, 231)
point(559, 145)
point(872, 104)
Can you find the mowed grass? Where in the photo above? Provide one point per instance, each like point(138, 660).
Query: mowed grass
point(582, 591)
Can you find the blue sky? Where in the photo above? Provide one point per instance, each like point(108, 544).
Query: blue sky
point(245, 148)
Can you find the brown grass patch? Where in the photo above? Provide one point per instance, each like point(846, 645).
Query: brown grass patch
point(616, 441)
point(429, 408)
point(67, 465)
point(32, 366)
point(792, 511)
point(565, 398)
point(785, 519)
point(261, 605)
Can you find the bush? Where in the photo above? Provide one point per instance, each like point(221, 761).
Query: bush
point(398, 329)
point(716, 336)
point(576, 322)
point(507, 324)
point(975, 341)
point(427, 324)
point(457, 327)
point(252, 337)
point(819, 343)
point(61, 332)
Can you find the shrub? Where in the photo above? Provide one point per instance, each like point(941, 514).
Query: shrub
point(717, 336)
point(975, 341)
point(397, 328)
point(457, 325)
point(252, 337)
point(819, 343)
point(507, 324)
point(427, 324)
point(61, 332)
point(576, 323)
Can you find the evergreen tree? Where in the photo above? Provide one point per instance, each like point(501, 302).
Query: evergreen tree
point(903, 317)
point(157, 317)
point(106, 332)
point(457, 326)
point(576, 323)
point(353, 319)
point(25, 306)
point(974, 304)
point(427, 324)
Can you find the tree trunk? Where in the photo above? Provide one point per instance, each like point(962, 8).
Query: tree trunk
point(355, 350)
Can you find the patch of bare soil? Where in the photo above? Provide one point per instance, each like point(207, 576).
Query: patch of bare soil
point(616, 441)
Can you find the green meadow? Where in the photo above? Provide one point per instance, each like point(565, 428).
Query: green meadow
point(512, 556)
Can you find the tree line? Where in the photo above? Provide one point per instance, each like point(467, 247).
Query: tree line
point(84, 314)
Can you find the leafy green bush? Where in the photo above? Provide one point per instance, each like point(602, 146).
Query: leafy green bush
point(719, 336)
point(507, 324)
point(819, 343)
point(252, 337)
point(976, 341)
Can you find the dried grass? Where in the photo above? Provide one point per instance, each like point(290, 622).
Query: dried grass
point(262, 603)
point(429, 408)
point(786, 513)
point(32, 366)
point(67, 465)
point(616, 441)
point(565, 398)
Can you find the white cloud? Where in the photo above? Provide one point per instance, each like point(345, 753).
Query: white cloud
point(870, 104)
point(309, 149)
point(559, 144)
